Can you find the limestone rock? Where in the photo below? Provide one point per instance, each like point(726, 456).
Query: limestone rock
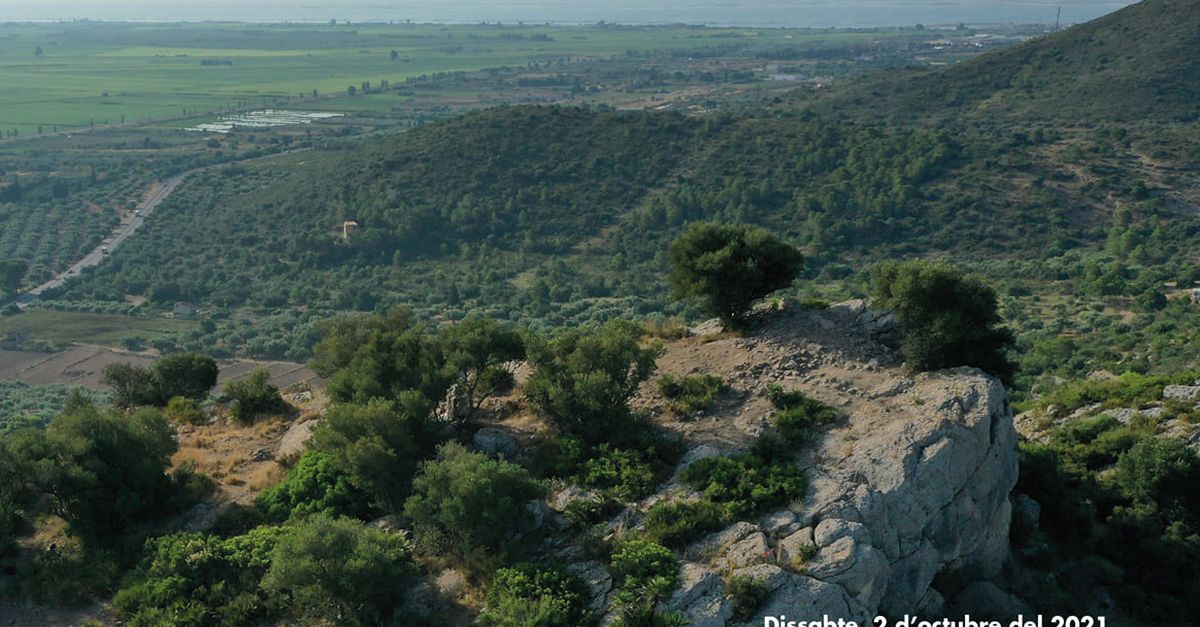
point(495, 442)
point(804, 598)
point(794, 548)
point(748, 551)
point(701, 597)
point(1181, 392)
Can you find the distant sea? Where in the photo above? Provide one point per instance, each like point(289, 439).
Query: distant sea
point(759, 13)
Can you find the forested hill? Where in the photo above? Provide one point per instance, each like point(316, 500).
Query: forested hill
point(1142, 62)
point(558, 214)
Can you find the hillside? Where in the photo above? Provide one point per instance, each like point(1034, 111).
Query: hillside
point(551, 215)
point(1140, 63)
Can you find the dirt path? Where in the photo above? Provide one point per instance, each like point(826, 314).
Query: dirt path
point(160, 192)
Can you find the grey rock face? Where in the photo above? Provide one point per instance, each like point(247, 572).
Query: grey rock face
point(701, 597)
point(495, 442)
point(921, 489)
point(1181, 392)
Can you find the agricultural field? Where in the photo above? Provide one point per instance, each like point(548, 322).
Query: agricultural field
point(81, 75)
point(56, 328)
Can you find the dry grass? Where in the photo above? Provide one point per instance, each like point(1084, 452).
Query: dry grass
point(239, 458)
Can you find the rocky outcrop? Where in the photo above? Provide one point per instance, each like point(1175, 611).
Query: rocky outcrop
point(897, 499)
point(915, 485)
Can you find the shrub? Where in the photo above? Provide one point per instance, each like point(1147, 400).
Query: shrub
point(101, 471)
point(746, 484)
point(625, 474)
point(377, 446)
point(584, 380)
point(469, 504)
point(644, 573)
point(339, 571)
point(586, 512)
point(747, 594)
point(530, 595)
point(182, 410)
point(254, 396)
point(690, 394)
point(798, 415)
point(947, 318)
point(315, 485)
point(1162, 473)
point(728, 267)
point(677, 524)
point(199, 579)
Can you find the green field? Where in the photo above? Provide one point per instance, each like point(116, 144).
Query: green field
point(76, 75)
point(58, 327)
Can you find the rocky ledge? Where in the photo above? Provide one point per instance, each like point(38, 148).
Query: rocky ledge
point(911, 488)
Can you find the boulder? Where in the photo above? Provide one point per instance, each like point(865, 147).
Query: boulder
point(495, 442)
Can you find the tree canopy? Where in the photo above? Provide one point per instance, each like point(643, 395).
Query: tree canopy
point(947, 318)
point(728, 267)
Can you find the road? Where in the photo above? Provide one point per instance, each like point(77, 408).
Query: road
point(116, 238)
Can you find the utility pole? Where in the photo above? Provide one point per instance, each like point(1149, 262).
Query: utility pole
point(1058, 20)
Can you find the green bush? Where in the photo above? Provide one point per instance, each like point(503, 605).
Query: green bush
point(104, 472)
point(947, 318)
point(1163, 474)
point(339, 571)
point(644, 574)
point(676, 524)
point(467, 505)
point(690, 394)
point(584, 513)
point(315, 485)
point(746, 484)
point(182, 410)
point(254, 396)
point(748, 594)
point(531, 595)
point(626, 475)
point(584, 380)
point(728, 267)
point(798, 415)
point(377, 446)
point(199, 579)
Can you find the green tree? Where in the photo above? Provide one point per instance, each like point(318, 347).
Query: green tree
point(189, 375)
point(585, 378)
point(1163, 474)
point(101, 471)
point(947, 318)
point(337, 569)
point(12, 273)
point(468, 504)
point(728, 267)
point(131, 386)
point(368, 357)
point(477, 353)
point(377, 446)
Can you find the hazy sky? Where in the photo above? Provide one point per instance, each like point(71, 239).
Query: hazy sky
point(762, 12)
